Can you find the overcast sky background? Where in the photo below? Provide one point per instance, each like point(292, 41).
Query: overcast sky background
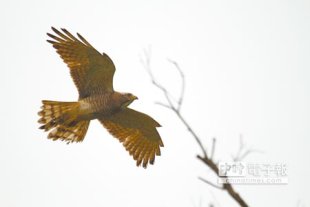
point(247, 71)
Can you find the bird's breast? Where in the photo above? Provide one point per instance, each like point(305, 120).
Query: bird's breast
point(97, 106)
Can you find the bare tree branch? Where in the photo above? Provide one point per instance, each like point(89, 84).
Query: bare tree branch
point(176, 108)
point(170, 104)
point(204, 151)
point(227, 187)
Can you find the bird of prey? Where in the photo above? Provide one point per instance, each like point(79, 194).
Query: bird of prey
point(92, 73)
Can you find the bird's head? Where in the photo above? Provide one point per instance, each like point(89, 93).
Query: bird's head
point(128, 98)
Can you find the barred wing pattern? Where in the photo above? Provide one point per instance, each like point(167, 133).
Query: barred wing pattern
point(137, 132)
point(91, 71)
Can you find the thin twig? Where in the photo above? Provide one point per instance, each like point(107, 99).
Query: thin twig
point(213, 148)
point(147, 64)
point(210, 183)
point(162, 104)
point(242, 152)
point(181, 97)
point(189, 128)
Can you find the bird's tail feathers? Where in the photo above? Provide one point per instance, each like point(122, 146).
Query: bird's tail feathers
point(61, 119)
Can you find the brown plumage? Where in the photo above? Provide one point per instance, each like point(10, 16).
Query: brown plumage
point(92, 74)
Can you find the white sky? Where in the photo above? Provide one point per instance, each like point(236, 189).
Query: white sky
point(247, 70)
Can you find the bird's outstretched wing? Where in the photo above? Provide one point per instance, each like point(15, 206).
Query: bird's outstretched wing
point(91, 71)
point(137, 132)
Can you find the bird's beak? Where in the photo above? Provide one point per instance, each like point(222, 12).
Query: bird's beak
point(135, 98)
